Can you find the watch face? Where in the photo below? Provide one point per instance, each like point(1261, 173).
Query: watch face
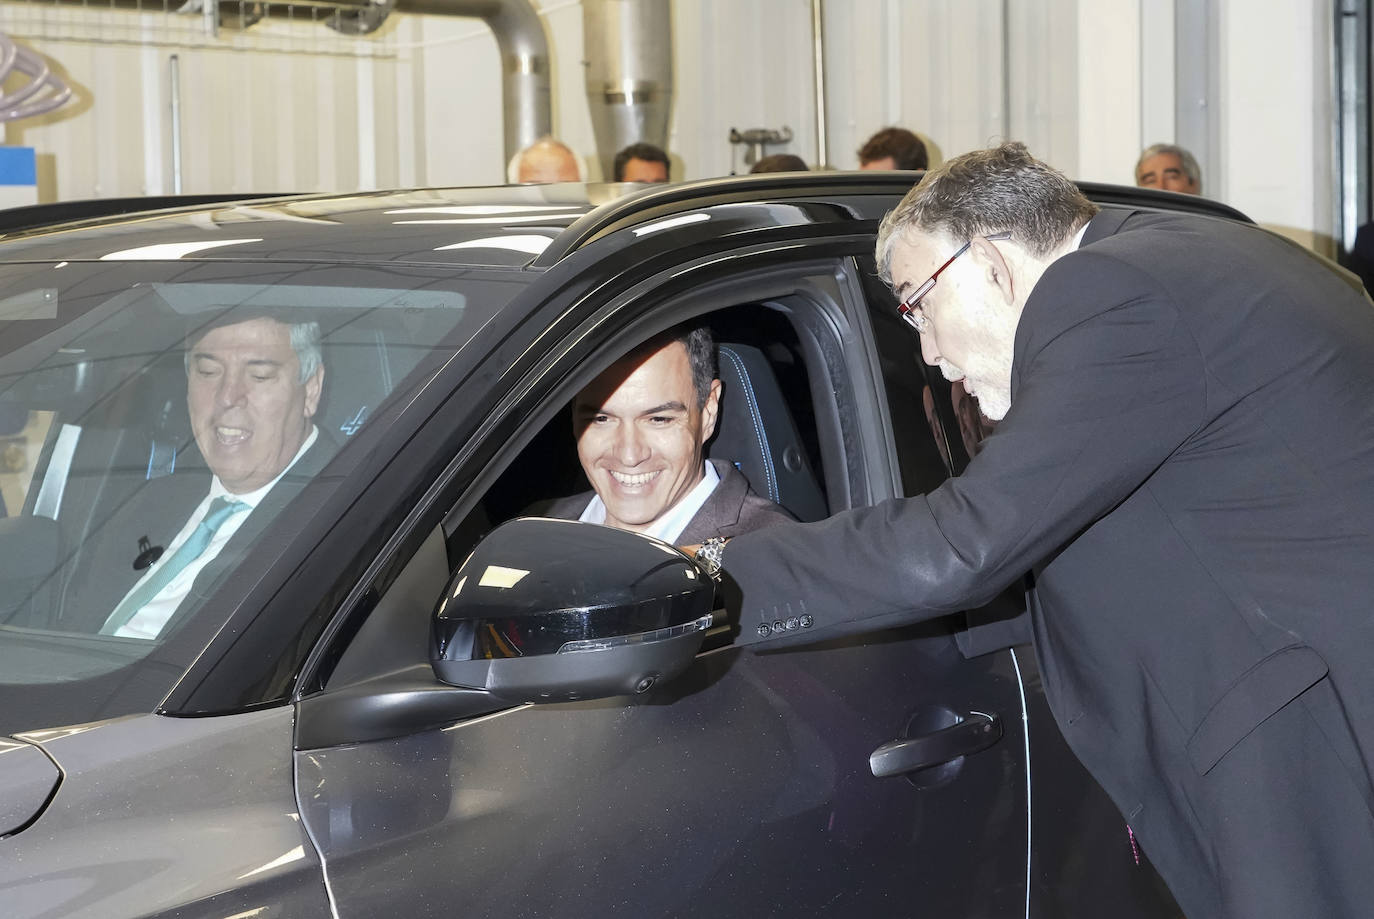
point(710, 554)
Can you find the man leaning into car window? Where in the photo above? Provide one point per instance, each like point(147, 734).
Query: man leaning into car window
point(252, 389)
point(642, 428)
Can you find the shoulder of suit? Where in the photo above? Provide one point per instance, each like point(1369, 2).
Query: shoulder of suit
point(759, 512)
point(733, 483)
point(569, 508)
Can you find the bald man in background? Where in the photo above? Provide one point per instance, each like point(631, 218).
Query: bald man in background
point(546, 160)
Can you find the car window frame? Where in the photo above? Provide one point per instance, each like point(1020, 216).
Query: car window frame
point(757, 274)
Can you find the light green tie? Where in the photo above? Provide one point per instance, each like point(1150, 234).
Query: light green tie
point(221, 509)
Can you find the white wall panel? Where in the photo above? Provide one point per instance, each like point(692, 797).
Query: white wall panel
point(1108, 90)
point(1157, 79)
point(1043, 80)
point(960, 73)
point(458, 77)
point(1276, 116)
point(739, 65)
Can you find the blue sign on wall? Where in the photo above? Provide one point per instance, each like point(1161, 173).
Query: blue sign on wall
point(17, 166)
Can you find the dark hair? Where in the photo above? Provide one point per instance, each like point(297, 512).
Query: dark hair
point(988, 191)
point(641, 151)
point(700, 343)
point(906, 149)
point(781, 162)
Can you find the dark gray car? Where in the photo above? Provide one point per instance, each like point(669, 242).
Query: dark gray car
point(386, 702)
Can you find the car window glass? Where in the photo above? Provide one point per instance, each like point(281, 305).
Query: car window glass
point(117, 440)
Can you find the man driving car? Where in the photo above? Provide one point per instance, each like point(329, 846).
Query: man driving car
point(641, 429)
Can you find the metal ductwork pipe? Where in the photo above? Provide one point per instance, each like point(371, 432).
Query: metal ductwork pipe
point(525, 79)
point(628, 49)
point(526, 96)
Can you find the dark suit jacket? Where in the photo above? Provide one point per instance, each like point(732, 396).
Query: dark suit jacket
point(731, 509)
point(158, 511)
point(1187, 470)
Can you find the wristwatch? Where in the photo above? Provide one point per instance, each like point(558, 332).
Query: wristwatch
point(709, 555)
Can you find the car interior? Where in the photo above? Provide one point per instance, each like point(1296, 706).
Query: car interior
point(767, 427)
point(787, 420)
point(113, 401)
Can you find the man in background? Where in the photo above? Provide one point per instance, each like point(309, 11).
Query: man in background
point(544, 161)
point(894, 148)
point(780, 162)
point(641, 163)
point(1170, 168)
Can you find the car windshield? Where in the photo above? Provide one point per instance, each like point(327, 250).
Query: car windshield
point(154, 417)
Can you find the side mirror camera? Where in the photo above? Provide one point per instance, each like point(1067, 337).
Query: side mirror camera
point(555, 610)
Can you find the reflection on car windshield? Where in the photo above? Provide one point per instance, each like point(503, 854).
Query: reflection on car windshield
point(155, 418)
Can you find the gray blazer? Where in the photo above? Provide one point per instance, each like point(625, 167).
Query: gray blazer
point(732, 508)
point(1187, 471)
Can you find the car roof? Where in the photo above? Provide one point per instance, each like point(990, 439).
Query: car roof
point(510, 226)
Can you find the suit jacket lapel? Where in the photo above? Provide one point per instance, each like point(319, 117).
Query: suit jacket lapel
point(721, 512)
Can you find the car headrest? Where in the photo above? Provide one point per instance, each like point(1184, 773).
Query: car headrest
point(755, 430)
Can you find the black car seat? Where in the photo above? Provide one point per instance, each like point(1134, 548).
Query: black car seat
point(29, 551)
point(756, 431)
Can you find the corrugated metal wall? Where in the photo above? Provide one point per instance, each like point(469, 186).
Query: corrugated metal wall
point(1083, 82)
point(253, 119)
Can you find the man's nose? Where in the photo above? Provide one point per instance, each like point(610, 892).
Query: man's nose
point(630, 447)
point(231, 389)
point(929, 352)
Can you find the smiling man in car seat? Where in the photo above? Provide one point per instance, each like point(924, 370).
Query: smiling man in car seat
point(642, 428)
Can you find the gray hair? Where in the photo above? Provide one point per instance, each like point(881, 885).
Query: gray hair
point(305, 341)
point(1185, 159)
point(1001, 189)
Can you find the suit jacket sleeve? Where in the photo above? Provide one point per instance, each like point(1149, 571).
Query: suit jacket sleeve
point(1107, 383)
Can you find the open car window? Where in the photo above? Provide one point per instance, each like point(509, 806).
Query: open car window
point(101, 471)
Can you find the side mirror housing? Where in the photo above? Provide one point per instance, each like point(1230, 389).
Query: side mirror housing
point(555, 610)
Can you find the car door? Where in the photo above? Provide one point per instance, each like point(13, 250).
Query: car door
point(743, 787)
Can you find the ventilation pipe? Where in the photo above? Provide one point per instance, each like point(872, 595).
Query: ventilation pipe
point(525, 94)
point(44, 90)
point(628, 50)
point(526, 98)
point(526, 104)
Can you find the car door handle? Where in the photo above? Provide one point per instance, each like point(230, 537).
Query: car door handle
point(975, 732)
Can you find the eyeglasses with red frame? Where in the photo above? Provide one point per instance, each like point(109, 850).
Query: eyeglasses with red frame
point(910, 306)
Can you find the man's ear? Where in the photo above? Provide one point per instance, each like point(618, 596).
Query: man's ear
point(313, 388)
point(997, 269)
point(710, 411)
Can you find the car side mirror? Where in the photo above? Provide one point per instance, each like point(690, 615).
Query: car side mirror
point(555, 610)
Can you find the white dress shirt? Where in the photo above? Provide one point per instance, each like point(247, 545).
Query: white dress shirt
point(669, 526)
point(149, 620)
